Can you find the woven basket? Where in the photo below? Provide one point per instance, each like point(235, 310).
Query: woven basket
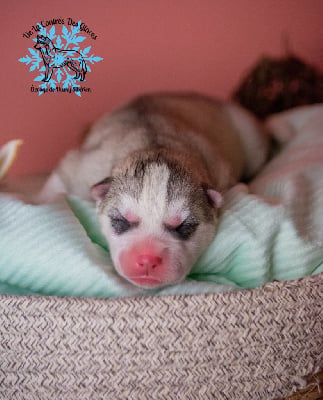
point(252, 344)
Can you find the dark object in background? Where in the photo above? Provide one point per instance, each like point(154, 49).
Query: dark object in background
point(277, 84)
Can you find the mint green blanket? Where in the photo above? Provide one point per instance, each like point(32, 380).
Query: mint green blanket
point(275, 232)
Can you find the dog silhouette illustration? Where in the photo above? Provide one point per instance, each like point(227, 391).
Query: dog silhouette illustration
point(54, 57)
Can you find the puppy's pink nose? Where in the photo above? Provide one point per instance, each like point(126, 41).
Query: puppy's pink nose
point(148, 261)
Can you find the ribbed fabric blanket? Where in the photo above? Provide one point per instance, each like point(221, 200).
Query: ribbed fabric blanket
point(269, 230)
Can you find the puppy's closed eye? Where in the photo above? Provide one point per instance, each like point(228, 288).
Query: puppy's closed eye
point(120, 224)
point(184, 230)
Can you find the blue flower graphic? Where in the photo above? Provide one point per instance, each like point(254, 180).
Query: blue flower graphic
point(64, 74)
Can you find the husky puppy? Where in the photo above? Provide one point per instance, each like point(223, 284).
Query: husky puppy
point(157, 169)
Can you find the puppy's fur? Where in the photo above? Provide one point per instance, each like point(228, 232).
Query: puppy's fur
point(157, 169)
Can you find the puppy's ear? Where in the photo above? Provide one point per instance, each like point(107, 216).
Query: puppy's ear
point(214, 197)
point(100, 189)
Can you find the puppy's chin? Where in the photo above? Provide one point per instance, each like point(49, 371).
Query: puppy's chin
point(147, 282)
point(151, 281)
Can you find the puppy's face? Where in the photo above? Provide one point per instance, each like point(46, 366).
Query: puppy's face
point(157, 221)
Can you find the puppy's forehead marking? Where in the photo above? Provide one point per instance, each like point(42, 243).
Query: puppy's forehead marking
point(128, 203)
point(177, 207)
point(153, 197)
point(153, 203)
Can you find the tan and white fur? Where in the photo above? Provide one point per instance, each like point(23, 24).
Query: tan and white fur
point(157, 169)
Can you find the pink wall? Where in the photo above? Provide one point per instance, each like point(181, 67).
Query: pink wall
point(147, 45)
